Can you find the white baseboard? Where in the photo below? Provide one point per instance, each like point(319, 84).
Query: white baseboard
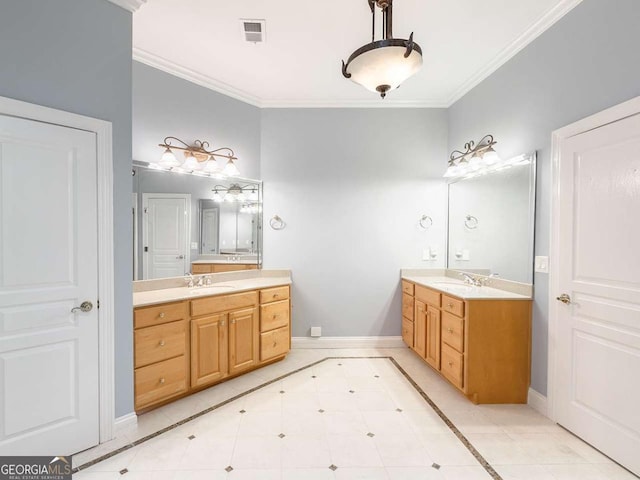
point(538, 402)
point(347, 342)
point(125, 422)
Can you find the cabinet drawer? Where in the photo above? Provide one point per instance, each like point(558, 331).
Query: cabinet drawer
point(160, 381)
point(274, 315)
point(156, 315)
point(453, 305)
point(407, 306)
point(274, 294)
point(407, 287)
point(228, 267)
point(427, 295)
point(153, 344)
point(199, 268)
point(451, 365)
point(222, 303)
point(407, 332)
point(453, 331)
point(274, 343)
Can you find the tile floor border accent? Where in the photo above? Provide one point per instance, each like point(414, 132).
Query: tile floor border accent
point(481, 460)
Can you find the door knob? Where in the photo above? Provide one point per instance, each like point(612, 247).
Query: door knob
point(564, 298)
point(180, 257)
point(84, 307)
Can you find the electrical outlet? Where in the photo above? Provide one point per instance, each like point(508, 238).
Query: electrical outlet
point(426, 255)
point(542, 265)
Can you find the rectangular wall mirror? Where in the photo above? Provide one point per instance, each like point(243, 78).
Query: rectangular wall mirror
point(491, 222)
point(194, 223)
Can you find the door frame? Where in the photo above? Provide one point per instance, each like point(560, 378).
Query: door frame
point(145, 228)
point(104, 158)
point(558, 137)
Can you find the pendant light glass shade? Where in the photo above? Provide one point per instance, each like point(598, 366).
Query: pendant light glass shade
point(168, 159)
point(230, 169)
point(191, 163)
point(211, 166)
point(382, 68)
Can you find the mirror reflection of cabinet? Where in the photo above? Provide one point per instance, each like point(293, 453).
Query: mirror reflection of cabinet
point(222, 233)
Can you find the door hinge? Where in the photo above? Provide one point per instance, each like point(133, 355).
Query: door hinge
point(98, 304)
point(146, 249)
point(146, 209)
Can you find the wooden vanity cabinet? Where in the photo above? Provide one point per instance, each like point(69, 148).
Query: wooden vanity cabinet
point(408, 305)
point(161, 353)
point(204, 268)
point(482, 347)
point(182, 347)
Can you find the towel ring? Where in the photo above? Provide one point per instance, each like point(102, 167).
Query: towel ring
point(277, 223)
point(471, 222)
point(426, 222)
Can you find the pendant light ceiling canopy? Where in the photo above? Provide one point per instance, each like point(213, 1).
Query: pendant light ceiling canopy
point(382, 65)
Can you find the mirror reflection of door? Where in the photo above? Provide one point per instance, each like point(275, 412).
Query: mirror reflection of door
point(210, 227)
point(165, 234)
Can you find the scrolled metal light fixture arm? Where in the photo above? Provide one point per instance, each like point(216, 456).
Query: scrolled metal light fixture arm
point(199, 147)
point(471, 148)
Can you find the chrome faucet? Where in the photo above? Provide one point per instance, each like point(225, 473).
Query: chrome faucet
point(470, 280)
point(188, 278)
point(200, 282)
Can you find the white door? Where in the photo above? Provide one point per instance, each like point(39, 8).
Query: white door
point(165, 234)
point(48, 266)
point(210, 222)
point(597, 364)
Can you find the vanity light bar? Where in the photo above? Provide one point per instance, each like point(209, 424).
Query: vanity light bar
point(198, 159)
point(469, 171)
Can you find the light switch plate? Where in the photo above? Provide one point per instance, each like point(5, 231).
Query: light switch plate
point(542, 265)
point(194, 245)
point(316, 331)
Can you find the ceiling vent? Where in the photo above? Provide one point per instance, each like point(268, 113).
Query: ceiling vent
point(253, 31)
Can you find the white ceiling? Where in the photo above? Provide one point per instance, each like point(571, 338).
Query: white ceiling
point(463, 41)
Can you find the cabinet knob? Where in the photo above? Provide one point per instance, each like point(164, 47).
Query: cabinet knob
point(222, 323)
point(274, 344)
point(451, 364)
point(233, 322)
point(275, 315)
point(162, 380)
point(450, 305)
point(161, 315)
point(450, 330)
point(161, 343)
point(275, 295)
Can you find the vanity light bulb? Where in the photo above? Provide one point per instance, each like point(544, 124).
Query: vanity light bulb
point(217, 197)
point(230, 169)
point(211, 166)
point(491, 157)
point(168, 159)
point(191, 163)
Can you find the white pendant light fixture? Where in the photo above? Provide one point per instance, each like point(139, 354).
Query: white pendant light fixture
point(383, 65)
point(198, 158)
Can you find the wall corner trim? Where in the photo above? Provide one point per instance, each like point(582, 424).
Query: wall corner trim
point(538, 402)
point(125, 422)
point(131, 5)
point(536, 29)
point(347, 342)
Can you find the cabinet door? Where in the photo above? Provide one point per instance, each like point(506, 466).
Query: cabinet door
point(420, 328)
point(432, 353)
point(243, 339)
point(209, 351)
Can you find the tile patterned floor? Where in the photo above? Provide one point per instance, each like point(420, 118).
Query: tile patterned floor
point(344, 418)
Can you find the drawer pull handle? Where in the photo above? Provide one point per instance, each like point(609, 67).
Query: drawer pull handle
point(275, 295)
point(161, 315)
point(450, 330)
point(274, 344)
point(162, 380)
point(450, 305)
point(161, 343)
point(451, 364)
point(233, 322)
point(222, 323)
point(275, 315)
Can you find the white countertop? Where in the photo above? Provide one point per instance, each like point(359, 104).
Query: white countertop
point(153, 297)
point(458, 288)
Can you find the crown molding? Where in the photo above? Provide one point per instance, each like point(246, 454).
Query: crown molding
point(131, 5)
point(533, 32)
point(386, 103)
point(185, 73)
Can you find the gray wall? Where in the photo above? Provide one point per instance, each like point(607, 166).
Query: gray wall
point(351, 184)
point(75, 55)
point(164, 105)
point(585, 63)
